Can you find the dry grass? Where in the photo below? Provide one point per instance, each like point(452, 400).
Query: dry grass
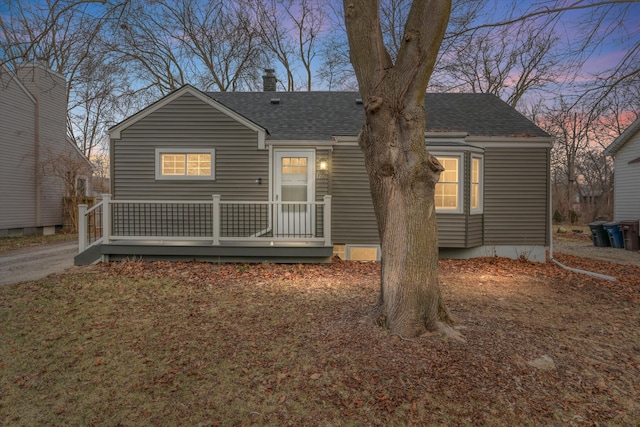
point(11, 243)
point(200, 344)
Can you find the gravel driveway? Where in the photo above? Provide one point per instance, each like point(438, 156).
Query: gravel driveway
point(36, 262)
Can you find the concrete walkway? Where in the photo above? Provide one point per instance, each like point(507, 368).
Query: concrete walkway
point(36, 262)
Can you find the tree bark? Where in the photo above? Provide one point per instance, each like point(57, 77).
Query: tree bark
point(402, 174)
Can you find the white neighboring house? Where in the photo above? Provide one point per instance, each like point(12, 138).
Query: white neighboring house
point(38, 163)
point(625, 151)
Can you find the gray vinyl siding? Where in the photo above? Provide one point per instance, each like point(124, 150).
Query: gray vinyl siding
point(190, 123)
point(18, 162)
point(474, 230)
point(627, 178)
point(515, 196)
point(451, 230)
point(353, 219)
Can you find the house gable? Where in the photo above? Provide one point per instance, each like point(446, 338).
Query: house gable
point(626, 155)
point(623, 139)
point(115, 131)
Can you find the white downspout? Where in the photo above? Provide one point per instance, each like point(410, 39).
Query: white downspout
point(575, 270)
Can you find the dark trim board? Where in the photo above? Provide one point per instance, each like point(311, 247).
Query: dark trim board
point(219, 254)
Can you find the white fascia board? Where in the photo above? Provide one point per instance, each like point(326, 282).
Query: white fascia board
point(454, 148)
point(510, 141)
point(345, 139)
point(288, 143)
point(625, 136)
point(114, 132)
point(81, 154)
point(446, 136)
point(15, 78)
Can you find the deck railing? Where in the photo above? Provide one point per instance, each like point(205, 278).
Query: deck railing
point(216, 220)
point(90, 225)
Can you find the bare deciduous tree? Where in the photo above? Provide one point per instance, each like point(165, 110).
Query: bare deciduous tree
point(402, 174)
point(507, 62)
point(290, 31)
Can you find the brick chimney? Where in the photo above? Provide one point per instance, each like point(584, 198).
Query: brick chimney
point(269, 80)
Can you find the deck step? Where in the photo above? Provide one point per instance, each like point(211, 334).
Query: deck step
point(91, 255)
point(220, 254)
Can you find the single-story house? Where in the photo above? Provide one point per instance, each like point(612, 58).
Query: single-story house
point(36, 157)
point(272, 176)
point(625, 151)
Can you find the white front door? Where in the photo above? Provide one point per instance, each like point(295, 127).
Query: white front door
point(294, 188)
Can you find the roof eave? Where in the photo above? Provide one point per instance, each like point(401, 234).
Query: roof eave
point(115, 132)
point(620, 141)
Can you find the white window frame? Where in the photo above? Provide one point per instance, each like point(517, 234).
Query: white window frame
point(480, 208)
point(161, 151)
point(461, 183)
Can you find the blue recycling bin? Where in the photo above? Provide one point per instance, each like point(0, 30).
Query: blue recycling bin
point(616, 238)
point(598, 234)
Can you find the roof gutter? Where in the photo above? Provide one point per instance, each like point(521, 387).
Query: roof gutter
point(575, 270)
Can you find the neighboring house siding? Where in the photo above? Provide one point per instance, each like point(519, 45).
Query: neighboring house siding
point(353, 219)
point(49, 89)
point(515, 195)
point(190, 123)
point(24, 119)
point(627, 180)
point(17, 158)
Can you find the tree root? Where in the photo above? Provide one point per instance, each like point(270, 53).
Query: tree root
point(448, 331)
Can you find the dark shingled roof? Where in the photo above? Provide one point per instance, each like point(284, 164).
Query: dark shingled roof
point(320, 115)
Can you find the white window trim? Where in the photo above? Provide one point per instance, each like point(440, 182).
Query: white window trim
point(480, 208)
point(183, 150)
point(461, 183)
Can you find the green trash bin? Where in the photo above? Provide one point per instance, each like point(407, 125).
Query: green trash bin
point(630, 231)
point(616, 238)
point(599, 235)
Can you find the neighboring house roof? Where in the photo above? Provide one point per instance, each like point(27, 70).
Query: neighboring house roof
point(321, 115)
point(620, 141)
point(80, 154)
point(4, 70)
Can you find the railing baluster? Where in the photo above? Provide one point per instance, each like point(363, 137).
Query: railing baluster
point(214, 220)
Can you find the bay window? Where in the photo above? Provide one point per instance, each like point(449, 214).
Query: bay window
point(447, 195)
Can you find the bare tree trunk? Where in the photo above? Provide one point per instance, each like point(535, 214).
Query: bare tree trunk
point(402, 174)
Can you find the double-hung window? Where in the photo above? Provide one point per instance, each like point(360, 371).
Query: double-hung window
point(476, 184)
point(185, 164)
point(447, 195)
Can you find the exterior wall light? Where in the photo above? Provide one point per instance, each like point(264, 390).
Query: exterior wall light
point(323, 165)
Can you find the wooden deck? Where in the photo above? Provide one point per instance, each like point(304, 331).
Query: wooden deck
point(204, 231)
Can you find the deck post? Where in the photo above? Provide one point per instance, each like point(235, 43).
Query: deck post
point(106, 217)
point(82, 227)
point(327, 220)
point(216, 220)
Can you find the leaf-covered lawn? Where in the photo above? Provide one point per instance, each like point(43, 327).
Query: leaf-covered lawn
point(140, 343)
